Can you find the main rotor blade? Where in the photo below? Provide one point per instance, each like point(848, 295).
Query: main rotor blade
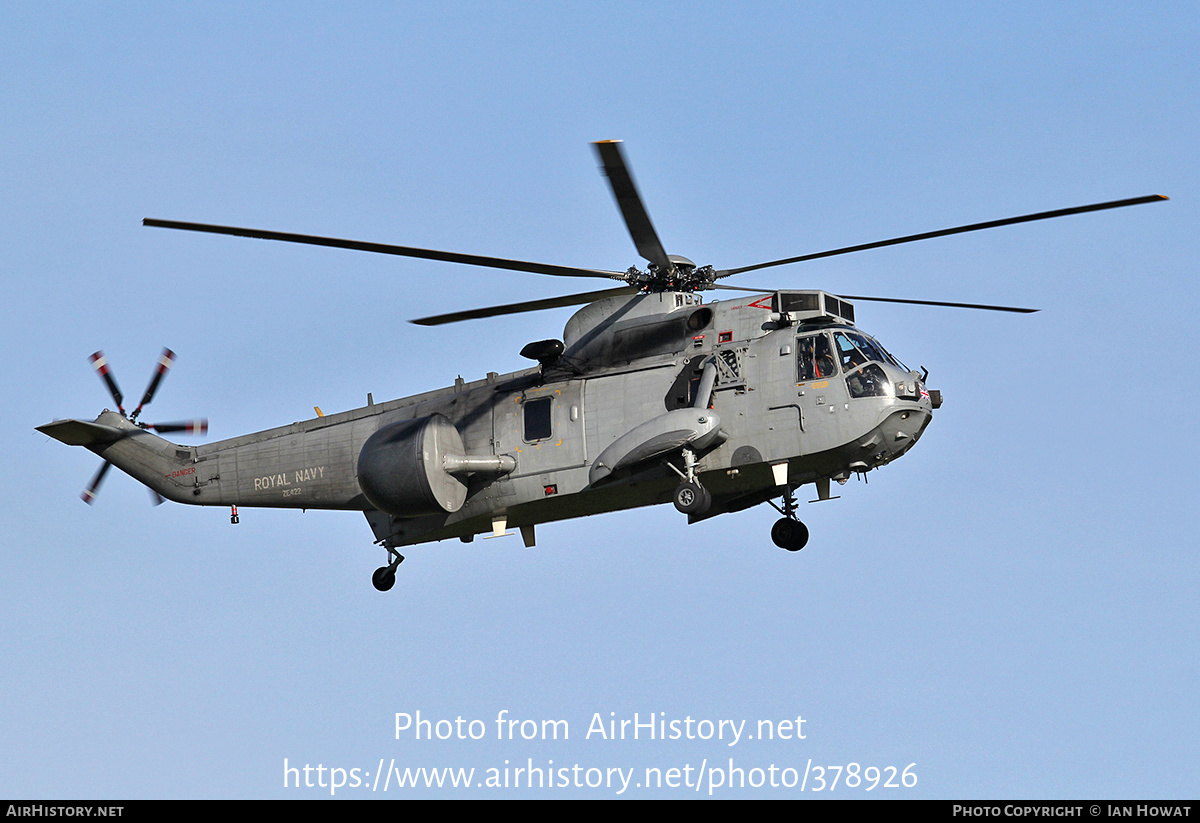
point(744, 288)
point(384, 248)
point(982, 306)
point(637, 220)
point(529, 305)
point(991, 224)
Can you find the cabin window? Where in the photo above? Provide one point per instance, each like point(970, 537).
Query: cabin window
point(537, 419)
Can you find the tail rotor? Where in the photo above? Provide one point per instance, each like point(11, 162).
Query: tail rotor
point(198, 426)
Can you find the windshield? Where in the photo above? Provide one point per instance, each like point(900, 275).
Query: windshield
point(849, 355)
point(855, 348)
point(891, 357)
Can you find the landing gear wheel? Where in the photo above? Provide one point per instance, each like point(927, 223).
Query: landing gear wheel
point(789, 534)
point(692, 498)
point(384, 578)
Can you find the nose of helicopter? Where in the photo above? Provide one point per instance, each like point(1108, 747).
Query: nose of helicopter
point(900, 427)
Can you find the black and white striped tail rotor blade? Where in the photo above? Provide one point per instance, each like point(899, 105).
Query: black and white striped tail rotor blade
point(197, 426)
point(165, 361)
point(89, 494)
point(100, 364)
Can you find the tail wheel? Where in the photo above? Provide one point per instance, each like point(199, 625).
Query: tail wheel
point(384, 578)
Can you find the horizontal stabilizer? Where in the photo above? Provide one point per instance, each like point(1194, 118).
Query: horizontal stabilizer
point(80, 433)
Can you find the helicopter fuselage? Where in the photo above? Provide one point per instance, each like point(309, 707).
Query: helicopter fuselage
point(765, 394)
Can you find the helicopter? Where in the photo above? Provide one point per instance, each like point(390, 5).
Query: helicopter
point(651, 396)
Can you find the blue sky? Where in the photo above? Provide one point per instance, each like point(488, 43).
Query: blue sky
point(1011, 607)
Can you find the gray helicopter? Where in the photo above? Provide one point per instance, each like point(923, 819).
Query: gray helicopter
point(651, 396)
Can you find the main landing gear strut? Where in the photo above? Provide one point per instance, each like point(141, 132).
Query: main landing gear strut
point(690, 497)
point(788, 532)
point(385, 576)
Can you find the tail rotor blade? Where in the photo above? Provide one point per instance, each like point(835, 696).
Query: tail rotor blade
point(89, 494)
point(197, 426)
point(165, 361)
point(156, 499)
point(100, 364)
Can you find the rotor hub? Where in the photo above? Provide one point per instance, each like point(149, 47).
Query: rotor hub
point(683, 276)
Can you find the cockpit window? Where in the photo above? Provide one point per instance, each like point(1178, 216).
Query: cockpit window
point(895, 361)
point(869, 381)
point(849, 355)
point(868, 347)
point(855, 349)
point(863, 378)
point(814, 358)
